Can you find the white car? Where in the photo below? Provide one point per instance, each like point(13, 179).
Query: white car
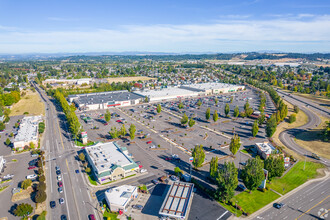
point(32, 176)
point(61, 201)
point(59, 178)
point(143, 170)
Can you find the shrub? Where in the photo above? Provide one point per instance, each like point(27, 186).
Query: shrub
point(40, 196)
point(292, 118)
point(41, 186)
point(26, 183)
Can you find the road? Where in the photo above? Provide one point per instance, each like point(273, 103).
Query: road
point(60, 152)
point(287, 137)
point(309, 202)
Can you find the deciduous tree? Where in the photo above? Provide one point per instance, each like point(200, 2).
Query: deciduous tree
point(199, 155)
point(132, 130)
point(107, 116)
point(227, 109)
point(215, 116)
point(236, 112)
point(208, 113)
point(227, 180)
point(253, 174)
point(274, 164)
point(255, 128)
point(214, 167)
point(235, 144)
point(23, 209)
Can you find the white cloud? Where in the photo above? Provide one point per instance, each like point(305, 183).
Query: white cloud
point(304, 33)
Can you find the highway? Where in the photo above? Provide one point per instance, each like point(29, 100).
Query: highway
point(309, 202)
point(287, 137)
point(60, 152)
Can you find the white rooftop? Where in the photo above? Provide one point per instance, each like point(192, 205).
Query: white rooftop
point(28, 129)
point(207, 86)
point(170, 91)
point(107, 155)
point(266, 147)
point(120, 195)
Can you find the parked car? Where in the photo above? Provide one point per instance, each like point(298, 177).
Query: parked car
point(155, 181)
point(60, 190)
point(52, 204)
point(63, 217)
point(59, 178)
point(60, 184)
point(61, 201)
point(138, 207)
point(77, 171)
point(149, 142)
point(57, 168)
point(143, 170)
point(58, 172)
point(168, 158)
point(91, 217)
point(174, 178)
point(31, 167)
point(32, 176)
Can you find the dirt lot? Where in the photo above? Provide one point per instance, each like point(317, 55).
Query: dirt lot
point(312, 140)
point(30, 103)
point(129, 79)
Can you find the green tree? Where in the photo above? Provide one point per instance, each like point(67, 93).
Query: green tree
point(261, 119)
point(292, 118)
point(253, 174)
point(82, 157)
point(214, 167)
point(2, 126)
point(107, 116)
point(215, 116)
point(191, 122)
point(296, 108)
point(159, 108)
point(7, 142)
point(274, 164)
point(227, 180)
point(40, 196)
point(249, 112)
point(199, 155)
point(199, 103)
point(177, 171)
point(26, 183)
point(132, 130)
point(114, 133)
point(23, 209)
point(184, 119)
point(227, 109)
point(180, 105)
point(41, 186)
point(236, 112)
point(208, 113)
point(88, 170)
point(271, 126)
point(42, 178)
point(255, 128)
point(216, 100)
point(235, 144)
point(246, 105)
point(123, 131)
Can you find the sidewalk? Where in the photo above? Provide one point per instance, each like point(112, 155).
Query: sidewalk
point(255, 214)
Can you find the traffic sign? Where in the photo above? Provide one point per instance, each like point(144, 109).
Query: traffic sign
point(191, 159)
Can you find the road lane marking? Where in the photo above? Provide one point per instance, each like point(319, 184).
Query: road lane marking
point(67, 201)
point(50, 173)
point(222, 215)
point(313, 207)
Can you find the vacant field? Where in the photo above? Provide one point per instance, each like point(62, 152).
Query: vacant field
point(129, 79)
point(296, 176)
point(30, 103)
point(312, 140)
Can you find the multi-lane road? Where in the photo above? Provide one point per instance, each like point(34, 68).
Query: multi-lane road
point(60, 152)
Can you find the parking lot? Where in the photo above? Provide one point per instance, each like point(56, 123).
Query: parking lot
point(159, 136)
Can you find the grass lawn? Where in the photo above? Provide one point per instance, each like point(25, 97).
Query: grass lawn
point(256, 200)
point(3, 188)
point(89, 143)
point(295, 177)
point(30, 103)
point(231, 209)
point(110, 215)
point(91, 179)
point(244, 151)
point(312, 140)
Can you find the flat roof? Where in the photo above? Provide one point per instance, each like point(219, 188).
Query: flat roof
point(103, 97)
point(108, 156)
point(266, 147)
point(28, 129)
point(177, 200)
point(207, 86)
point(170, 91)
point(120, 195)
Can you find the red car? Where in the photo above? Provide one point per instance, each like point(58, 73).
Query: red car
point(60, 184)
point(168, 158)
point(31, 167)
point(91, 217)
point(118, 121)
point(106, 123)
point(149, 142)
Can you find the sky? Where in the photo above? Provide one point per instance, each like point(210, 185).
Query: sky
point(178, 26)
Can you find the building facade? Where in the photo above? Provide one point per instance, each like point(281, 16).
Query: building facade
point(27, 132)
point(120, 198)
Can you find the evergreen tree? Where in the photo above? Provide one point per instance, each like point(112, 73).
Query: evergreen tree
point(236, 112)
point(208, 113)
point(107, 116)
point(271, 126)
point(191, 122)
point(184, 119)
point(159, 108)
point(123, 131)
point(132, 130)
point(227, 109)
